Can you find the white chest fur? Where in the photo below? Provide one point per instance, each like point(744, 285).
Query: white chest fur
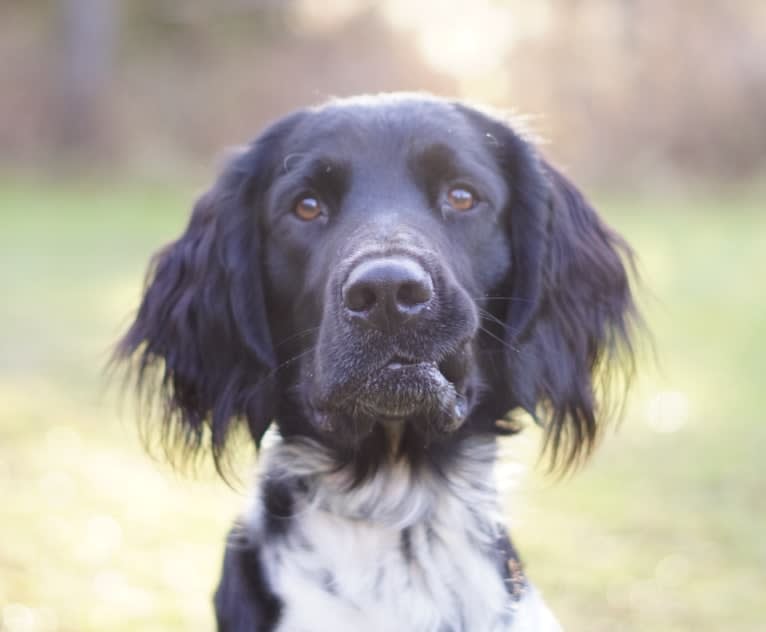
point(397, 553)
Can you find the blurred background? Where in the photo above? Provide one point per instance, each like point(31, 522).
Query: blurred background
point(115, 114)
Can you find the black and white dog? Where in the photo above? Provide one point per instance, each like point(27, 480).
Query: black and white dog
point(383, 278)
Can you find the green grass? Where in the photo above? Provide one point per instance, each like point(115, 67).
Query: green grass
point(663, 530)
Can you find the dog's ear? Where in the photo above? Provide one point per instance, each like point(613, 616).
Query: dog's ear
point(571, 313)
point(200, 346)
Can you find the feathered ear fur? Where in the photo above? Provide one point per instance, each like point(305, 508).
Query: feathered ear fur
point(200, 345)
point(572, 312)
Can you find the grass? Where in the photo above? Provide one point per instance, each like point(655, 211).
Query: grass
point(662, 530)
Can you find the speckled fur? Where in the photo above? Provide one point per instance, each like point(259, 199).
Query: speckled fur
point(404, 550)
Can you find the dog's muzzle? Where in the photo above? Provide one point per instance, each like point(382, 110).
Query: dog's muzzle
point(394, 346)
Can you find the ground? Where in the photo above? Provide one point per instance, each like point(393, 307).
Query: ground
point(663, 529)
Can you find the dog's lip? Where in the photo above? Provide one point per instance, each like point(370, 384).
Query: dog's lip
point(398, 362)
point(385, 416)
point(451, 366)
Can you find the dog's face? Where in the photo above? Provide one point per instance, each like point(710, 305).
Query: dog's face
point(385, 230)
point(379, 263)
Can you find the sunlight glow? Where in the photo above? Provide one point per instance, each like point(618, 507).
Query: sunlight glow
point(57, 486)
point(667, 411)
point(103, 535)
point(463, 38)
point(313, 16)
point(114, 594)
point(17, 617)
point(63, 440)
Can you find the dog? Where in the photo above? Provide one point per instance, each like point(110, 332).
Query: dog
point(386, 280)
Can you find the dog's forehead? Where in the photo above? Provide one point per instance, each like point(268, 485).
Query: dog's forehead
point(353, 128)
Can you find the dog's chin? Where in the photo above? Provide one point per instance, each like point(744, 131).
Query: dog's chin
point(407, 390)
point(418, 394)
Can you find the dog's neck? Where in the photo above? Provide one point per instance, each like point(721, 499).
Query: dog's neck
point(398, 494)
point(420, 539)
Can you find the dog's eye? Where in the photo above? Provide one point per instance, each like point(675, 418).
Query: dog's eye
point(308, 208)
point(461, 198)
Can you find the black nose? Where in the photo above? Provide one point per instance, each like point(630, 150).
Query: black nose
point(387, 292)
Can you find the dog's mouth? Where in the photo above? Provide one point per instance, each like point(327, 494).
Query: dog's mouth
point(405, 388)
point(452, 368)
point(401, 362)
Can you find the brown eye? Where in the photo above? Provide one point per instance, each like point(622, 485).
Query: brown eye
point(308, 208)
point(461, 199)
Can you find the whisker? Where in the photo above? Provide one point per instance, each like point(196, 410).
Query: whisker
point(290, 360)
point(506, 344)
point(484, 313)
point(504, 325)
point(510, 299)
point(296, 335)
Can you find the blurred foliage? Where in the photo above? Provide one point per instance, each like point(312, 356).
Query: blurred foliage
point(626, 90)
point(663, 530)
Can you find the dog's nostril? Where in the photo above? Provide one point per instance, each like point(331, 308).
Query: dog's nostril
point(360, 297)
point(416, 292)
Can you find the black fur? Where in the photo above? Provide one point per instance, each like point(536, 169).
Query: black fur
point(244, 584)
point(279, 504)
point(243, 316)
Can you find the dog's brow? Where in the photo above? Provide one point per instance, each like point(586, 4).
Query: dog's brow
point(315, 165)
point(437, 156)
point(290, 158)
point(324, 174)
point(434, 160)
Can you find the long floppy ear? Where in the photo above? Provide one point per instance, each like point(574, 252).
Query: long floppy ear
point(200, 345)
point(571, 314)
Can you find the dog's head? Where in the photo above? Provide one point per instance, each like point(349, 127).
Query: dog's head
point(385, 262)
